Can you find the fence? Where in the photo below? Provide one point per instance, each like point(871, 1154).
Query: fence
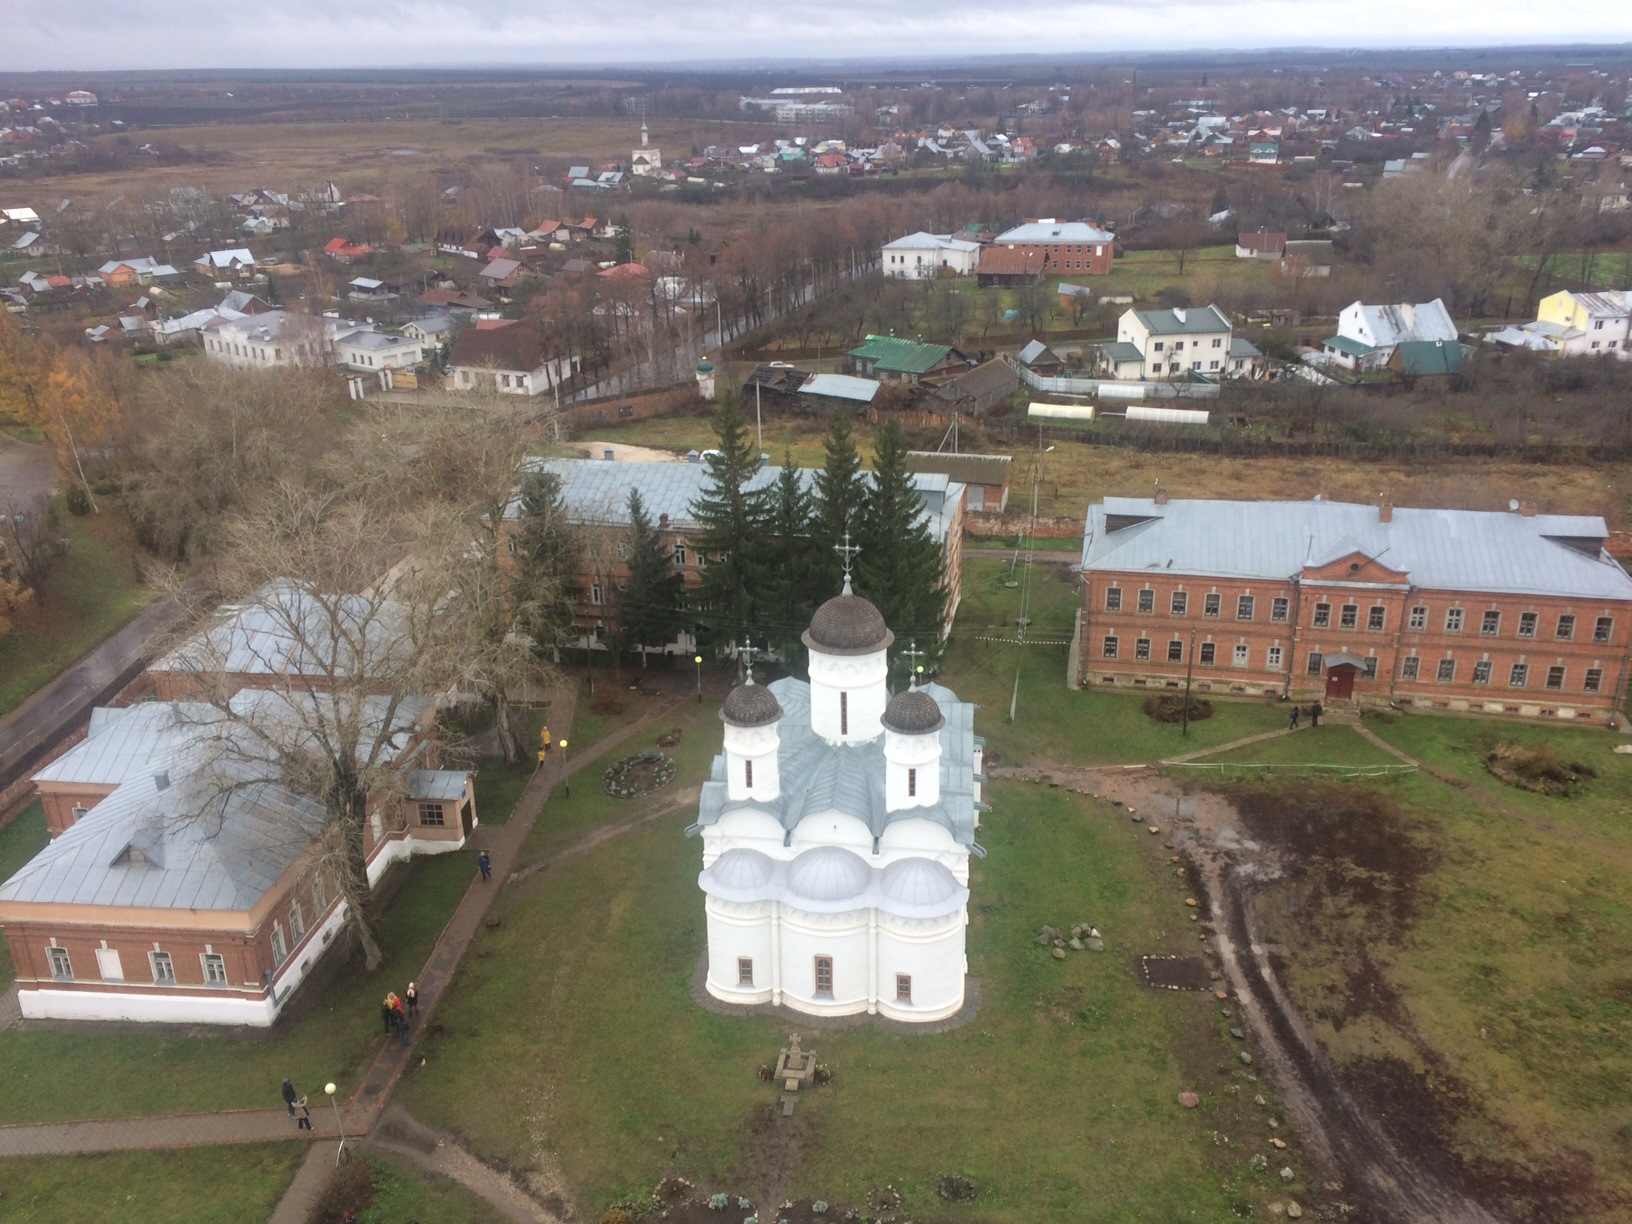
point(1116, 387)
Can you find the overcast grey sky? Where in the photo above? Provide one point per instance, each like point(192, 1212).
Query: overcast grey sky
point(99, 34)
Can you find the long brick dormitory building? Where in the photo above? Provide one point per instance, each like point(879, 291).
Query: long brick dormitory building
point(1519, 613)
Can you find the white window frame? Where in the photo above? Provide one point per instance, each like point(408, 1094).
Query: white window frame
point(1272, 658)
point(1241, 656)
point(163, 967)
point(62, 964)
point(280, 943)
point(214, 968)
point(1410, 667)
point(106, 958)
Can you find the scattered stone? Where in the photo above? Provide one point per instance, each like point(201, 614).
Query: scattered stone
point(1252, 1079)
point(1294, 1211)
point(1076, 944)
point(1274, 1124)
point(1237, 1034)
point(1116, 803)
point(1191, 902)
point(1225, 1012)
point(1153, 830)
point(1131, 811)
point(1042, 941)
point(1059, 943)
point(1246, 1058)
point(494, 923)
point(1189, 1100)
point(1059, 953)
point(1174, 859)
point(1287, 1175)
point(1096, 945)
point(1259, 1099)
point(1135, 818)
point(1093, 932)
point(1278, 1143)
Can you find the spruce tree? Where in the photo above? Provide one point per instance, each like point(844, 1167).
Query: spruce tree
point(733, 524)
point(790, 590)
point(649, 611)
point(900, 566)
point(840, 489)
point(548, 552)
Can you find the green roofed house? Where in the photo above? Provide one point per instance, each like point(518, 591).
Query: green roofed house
point(889, 357)
point(1415, 358)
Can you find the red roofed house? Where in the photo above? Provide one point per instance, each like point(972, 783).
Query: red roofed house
point(343, 250)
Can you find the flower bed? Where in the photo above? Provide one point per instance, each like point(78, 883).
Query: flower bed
point(638, 775)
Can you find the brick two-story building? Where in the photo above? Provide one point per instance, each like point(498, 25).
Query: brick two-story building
point(1047, 248)
point(1519, 613)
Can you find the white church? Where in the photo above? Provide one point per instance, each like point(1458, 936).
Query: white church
point(837, 827)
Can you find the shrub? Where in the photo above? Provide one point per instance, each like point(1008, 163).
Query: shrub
point(79, 501)
point(348, 1192)
point(617, 1216)
point(1538, 768)
point(1169, 708)
point(957, 1188)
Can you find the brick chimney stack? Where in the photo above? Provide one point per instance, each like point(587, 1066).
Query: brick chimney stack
point(1161, 496)
point(1385, 513)
point(1528, 509)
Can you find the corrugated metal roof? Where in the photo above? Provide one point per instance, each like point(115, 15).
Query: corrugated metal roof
point(1449, 550)
point(969, 469)
point(901, 356)
point(1056, 231)
point(818, 777)
point(436, 785)
point(123, 741)
point(1183, 321)
point(841, 386)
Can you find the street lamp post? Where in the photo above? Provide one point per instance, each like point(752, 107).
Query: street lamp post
point(699, 661)
point(1189, 675)
point(338, 1124)
point(566, 778)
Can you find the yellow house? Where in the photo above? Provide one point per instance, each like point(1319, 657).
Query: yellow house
point(1591, 323)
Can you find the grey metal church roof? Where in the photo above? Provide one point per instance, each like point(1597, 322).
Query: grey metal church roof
point(818, 777)
point(1448, 550)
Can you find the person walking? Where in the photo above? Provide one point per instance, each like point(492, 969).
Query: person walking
point(304, 1122)
point(402, 1026)
point(386, 1016)
point(1314, 714)
point(411, 997)
point(485, 862)
point(1293, 724)
point(290, 1096)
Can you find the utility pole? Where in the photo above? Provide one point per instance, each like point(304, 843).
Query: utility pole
point(759, 422)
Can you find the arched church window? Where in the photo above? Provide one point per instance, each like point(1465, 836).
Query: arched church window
point(748, 774)
point(824, 975)
point(844, 713)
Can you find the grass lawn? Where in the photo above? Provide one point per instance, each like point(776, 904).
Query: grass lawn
point(92, 592)
point(1058, 1100)
point(20, 841)
point(1053, 723)
point(1307, 749)
point(211, 1185)
point(1492, 958)
point(94, 1073)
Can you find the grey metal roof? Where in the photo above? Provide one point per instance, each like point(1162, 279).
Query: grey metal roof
point(841, 386)
point(1056, 231)
point(1031, 352)
point(123, 741)
point(818, 777)
point(1449, 550)
point(596, 491)
point(1240, 346)
point(433, 785)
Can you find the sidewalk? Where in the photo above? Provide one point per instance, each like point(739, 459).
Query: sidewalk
point(502, 842)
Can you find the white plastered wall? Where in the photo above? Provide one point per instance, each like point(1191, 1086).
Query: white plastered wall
point(862, 679)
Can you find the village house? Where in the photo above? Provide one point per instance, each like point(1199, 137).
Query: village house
point(973, 392)
point(985, 478)
point(1174, 343)
point(343, 250)
point(596, 493)
point(127, 273)
point(893, 359)
point(372, 350)
point(513, 360)
point(1260, 245)
point(1307, 257)
point(1368, 335)
point(1576, 324)
point(237, 263)
point(1519, 614)
point(924, 256)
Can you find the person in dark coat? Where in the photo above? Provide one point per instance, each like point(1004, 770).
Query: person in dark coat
point(402, 1026)
point(411, 998)
point(290, 1096)
point(1293, 724)
point(1314, 714)
point(387, 1014)
point(485, 862)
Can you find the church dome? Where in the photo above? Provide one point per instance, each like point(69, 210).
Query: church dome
point(828, 873)
point(919, 881)
point(848, 624)
point(750, 705)
point(741, 869)
point(913, 712)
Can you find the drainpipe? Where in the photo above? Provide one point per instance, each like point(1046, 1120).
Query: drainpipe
point(1292, 643)
point(1399, 640)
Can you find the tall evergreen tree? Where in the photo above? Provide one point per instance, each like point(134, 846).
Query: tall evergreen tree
point(548, 551)
point(840, 489)
point(649, 611)
point(790, 589)
point(733, 522)
point(900, 567)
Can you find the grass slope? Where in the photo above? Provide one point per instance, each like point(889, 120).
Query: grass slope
point(211, 1185)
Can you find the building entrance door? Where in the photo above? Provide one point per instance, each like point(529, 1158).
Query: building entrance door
point(466, 818)
point(1340, 682)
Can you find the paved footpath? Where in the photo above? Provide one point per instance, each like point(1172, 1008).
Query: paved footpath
point(502, 842)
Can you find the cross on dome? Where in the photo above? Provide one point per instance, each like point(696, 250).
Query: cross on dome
point(847, 551)
point(913, 654)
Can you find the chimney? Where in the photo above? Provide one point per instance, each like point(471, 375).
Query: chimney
point(161, 781)
point(1385, 513)
point(1528, 509)
point(663, 520)
point(1178, 313)
point(607, 454)
point(1161, 496)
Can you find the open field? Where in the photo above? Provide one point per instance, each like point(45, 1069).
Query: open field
point(1460, 951)
point(211, 1185)
point(1076, 473)
point(90, 593)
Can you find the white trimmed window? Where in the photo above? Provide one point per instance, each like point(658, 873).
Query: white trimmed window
point(1409, 666)
point(1243, 655)
point(1272, 658)
point(824, 976)
point(745, 971)
point(1481, 672)
point(1593, 681)
point(1278, 608)
point(1113, 599)
point(215, 968)
point(1419, 617)
point(164, 969)
point(1453, 620)
point(109, 966)
point(280, 944)
point(1147, 600)
point(903, 988)
point(61, 967)
point(431, 816)
point(1447, 671)
point(1527, 624)
point(1518, 675)
point(297, 921)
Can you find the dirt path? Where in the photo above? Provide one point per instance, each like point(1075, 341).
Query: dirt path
point(399, 1135)
point(1366, 1172)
